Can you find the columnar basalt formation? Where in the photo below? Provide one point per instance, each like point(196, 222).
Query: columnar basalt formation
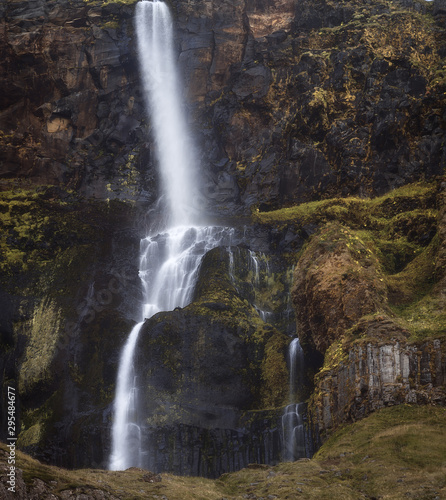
point(375, 375)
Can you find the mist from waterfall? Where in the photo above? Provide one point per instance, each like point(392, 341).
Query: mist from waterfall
point(169, 258)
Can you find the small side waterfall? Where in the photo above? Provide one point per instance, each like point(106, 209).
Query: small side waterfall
point(265, 283)
point(293, 430)
point(296, 363)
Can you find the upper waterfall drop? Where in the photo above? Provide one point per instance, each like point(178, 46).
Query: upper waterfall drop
point(175, 151)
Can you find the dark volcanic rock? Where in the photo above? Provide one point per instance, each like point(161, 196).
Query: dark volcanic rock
point(261, 78)
point(377, 375)
point(289, 102)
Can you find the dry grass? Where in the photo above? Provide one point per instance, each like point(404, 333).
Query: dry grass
point(396, 453)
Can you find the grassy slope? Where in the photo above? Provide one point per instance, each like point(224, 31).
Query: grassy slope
point(395, 453)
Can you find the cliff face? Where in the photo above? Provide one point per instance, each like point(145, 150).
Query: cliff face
point(371, 333)
point(71, 110)
point(291, 100)
point(376, 375)
point(294, 104)
point(306, 99)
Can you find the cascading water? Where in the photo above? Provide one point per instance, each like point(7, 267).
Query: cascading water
point(293, 430)
point(169, 260)
point(126, 433)
point(174, 148)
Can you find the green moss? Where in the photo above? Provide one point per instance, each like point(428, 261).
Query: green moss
point(41, 347)
point(379, 434)
point(394, 234)
point(274, 371)
point(395, 453)
point(30, 437)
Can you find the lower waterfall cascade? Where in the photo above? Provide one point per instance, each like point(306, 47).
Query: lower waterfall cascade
point(169, 264)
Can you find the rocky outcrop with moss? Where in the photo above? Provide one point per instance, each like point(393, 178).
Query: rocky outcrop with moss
point(315, 99)
point(70, 284)
point(372, 375)
point(72, 114)
point(212, 378)
point(381, 275)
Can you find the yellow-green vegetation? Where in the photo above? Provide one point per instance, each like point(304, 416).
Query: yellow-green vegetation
point(382, 31)
point(395, 453)
point(36, 226)
point(395, 233)
point(50, 240)
point(386, 35)
point(43, 333)
point(274, 371)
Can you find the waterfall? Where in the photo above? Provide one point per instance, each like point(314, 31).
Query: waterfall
point(126, 434)
point(293, 430)
point(296, 363)
point(170, 259)
point(174, 147)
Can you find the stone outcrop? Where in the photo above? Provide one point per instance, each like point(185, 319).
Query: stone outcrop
point(336, 110)
point(345, 292)
point(290, 101)
point(373, 375)
point(206, 372)
point(336, 282)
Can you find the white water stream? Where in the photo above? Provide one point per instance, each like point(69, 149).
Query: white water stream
point(174, 148)
point(169, 260)
point(293, 431)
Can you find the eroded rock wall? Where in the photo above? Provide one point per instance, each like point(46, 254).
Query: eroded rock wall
point(375, 375)
point(289, 101)
point(71, 110)
point(379, 322)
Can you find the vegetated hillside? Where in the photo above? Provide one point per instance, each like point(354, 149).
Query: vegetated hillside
point(395, 453)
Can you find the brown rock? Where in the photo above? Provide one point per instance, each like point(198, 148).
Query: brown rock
point(335, 284)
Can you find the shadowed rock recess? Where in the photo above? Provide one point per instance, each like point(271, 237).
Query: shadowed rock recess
point(320, 128)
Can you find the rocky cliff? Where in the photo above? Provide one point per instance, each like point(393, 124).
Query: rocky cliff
point(321, 128)
point(382, 308)
point(291, 100)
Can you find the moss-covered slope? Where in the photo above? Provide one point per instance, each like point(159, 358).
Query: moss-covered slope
point(369, 295)
point(68, 282)
point(395, 453)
